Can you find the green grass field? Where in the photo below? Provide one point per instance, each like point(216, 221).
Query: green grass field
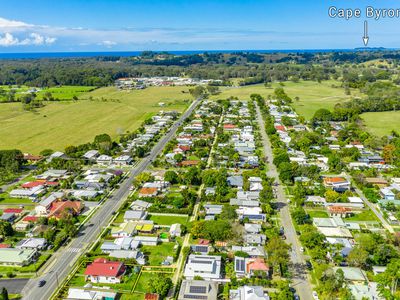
point(366, 215)
point(388, 121)
point(64, 123)
point(59, 92)
point(168, 220)
point(313, 95)
point(157, 254)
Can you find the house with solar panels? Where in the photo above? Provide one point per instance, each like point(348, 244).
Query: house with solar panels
point(198, 289)
point(206, 266)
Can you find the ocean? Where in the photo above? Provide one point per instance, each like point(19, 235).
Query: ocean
point(38, 55)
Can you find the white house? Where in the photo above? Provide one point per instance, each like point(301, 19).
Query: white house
point(206, 266)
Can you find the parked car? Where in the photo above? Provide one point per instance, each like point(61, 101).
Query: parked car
point(315, 295)
point(308, 265)
point(41, 283)
point(301, 249)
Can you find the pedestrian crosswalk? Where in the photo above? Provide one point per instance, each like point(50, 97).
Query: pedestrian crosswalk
point(75, 250)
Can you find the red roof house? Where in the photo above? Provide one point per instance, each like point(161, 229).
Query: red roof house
point(229, 127)
point(16, 211)
point(148, 192)
point(151, 296)
point(2, 246)
point(188, 163)
point(258, 264)
point(30, 219)
point(102, 270)
point(57, 208)
point(280, 127)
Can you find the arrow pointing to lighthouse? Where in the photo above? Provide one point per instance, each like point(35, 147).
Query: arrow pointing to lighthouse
point(365, 37)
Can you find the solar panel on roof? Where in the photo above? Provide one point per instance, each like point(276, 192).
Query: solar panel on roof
point(202, 262)
point(195, 297)
point(198, 289)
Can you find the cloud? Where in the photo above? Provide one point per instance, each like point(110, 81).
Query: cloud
point(5, 23)
point(8, 40)
point(108, 44)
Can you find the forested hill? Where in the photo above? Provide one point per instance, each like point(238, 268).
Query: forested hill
point(252, 67)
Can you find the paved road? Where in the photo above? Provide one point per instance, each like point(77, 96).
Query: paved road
point(62, 266)
point(371, 206)
point(13, 286)
point(300, 280)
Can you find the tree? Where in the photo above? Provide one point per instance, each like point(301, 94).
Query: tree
point(103, 142)
point(389, 279)
point(300, 216)
point(322, 114)
point(228, 212)
point(4, 294)
point(160, 284)
point(331, 196)
point(358, 257)
point(310, 237)
point(388, 153)
point(197, 92)
point(6, 229)
point(278, 253)
point(171, 176)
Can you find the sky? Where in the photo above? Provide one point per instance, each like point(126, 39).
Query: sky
point(131, 25)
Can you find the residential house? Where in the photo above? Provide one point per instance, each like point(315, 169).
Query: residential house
point(253, 214)
point(58, 208)
point(247, 267)
point(124, 230)
point(252, 228)
point(387, 194)
point(43, 208)
point(206, 266)
point(103, 271)
point(146, 240)
point(235, 181)
point(32, 243)
point(123, 160)
point(91, 155)
point(148, 192)
point(198, 289)
point(104, 160)
point(255, 239)
point(252, 251)
point(140, 205)
point(17, 257)
point(339, 184)
point(57, 154)
point(175, 230)
point(87, 294)
point(248, 293)
point(135, 215)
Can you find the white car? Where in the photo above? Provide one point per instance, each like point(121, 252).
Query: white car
point(315, 295)
point(301, 249)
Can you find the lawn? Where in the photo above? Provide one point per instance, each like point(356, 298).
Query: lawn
point(317, 213)
point(381, 123)
point(157, 254)
point(104, 110)
point(143, 283)
point(313, 95)
point(134, 296)
point(168, 220)
point(4, 199)
point(367, 215)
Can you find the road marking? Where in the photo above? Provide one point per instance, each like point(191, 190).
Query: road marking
point(74, 250)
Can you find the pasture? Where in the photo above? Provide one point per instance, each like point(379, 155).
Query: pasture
point(312, 95)
point(381, 123)
point(104, 110)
